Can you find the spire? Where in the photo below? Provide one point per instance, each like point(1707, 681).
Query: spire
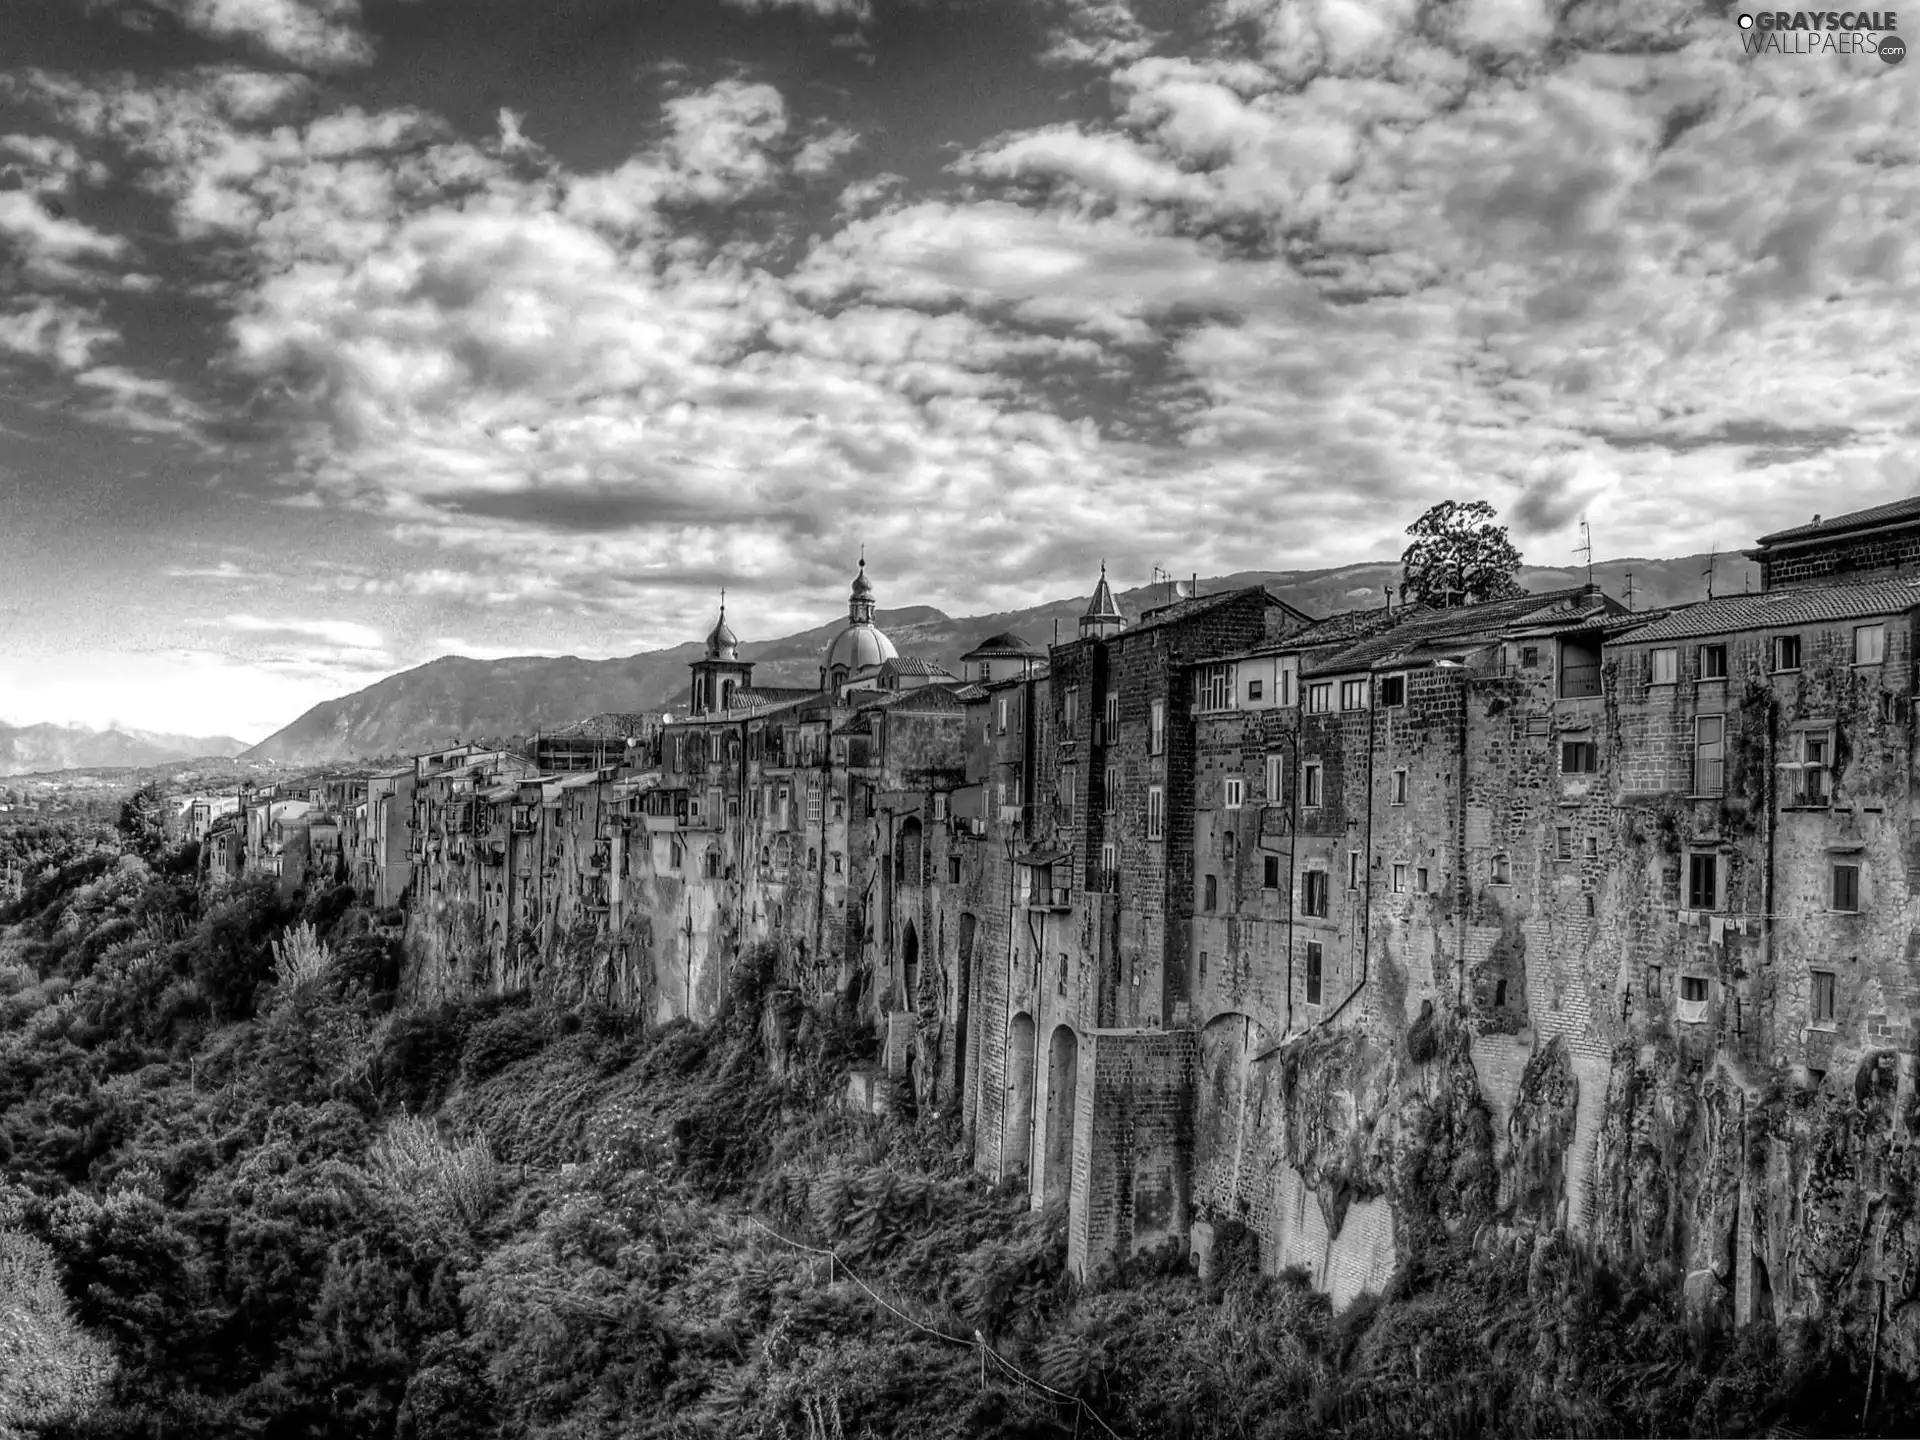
point(860, 601)
point(1103, 616)
point(722, 643)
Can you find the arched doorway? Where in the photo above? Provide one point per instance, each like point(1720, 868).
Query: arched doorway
point(910, 968)
point(1016, 1130)
point(1063, 1082)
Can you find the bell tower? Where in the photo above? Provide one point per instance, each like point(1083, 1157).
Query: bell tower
point(1103, 618)
point(720, 673)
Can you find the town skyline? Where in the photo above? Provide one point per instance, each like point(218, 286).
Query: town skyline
point(339, 337)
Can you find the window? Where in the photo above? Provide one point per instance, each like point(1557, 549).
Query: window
point(1593, 849)
point(1113, 714)
point(1353, 694)
point(940, 806)
point(813, 858)
point(1703, 882)
point(1846, 887)
point(1713, 662)
point(1579, 757)
point(1310, 784)
point(1210, 895)
point(1215, 691)
point(1070, 709)
point(1502, 871)
point(1003, 714)
point(1663, 666)
point(1236, 792)
point(1203, 965)
point(1157, 728)
point(1320, 698)
point(1226, 846)
point(813, 805)
point(1109, 857)
point(1313, 972)
point(1420, 879)
point(1156, 813)
point(1822, 997)
point(1253, 690)
point(953, 869)
point(1816, 748)
point(1112, 797)
point(1693, 989)
point(676, 855)
point(1709, 754)
point(1653, 982)
point(1066, 797)
point(1393, 691)
point(1786, 652)
point(1399, 878)
point(1274, 761)
point(1354, 869)
point(1563, 843)
point(693, 807)
point(1270, 872)
point(1283, 682)
point(1869, 644)
point(1314, 893)
point(1399, 789)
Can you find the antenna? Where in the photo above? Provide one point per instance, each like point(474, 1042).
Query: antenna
point(1585, 547)
point(1712, 555)
point(1629, 590)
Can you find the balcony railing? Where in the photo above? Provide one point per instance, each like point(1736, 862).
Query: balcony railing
point(1579, 682)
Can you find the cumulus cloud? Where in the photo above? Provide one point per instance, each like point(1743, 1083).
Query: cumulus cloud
point(1323, 258)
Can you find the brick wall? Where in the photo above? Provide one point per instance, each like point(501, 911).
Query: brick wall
point(1133, 1144)
point(1892, 552)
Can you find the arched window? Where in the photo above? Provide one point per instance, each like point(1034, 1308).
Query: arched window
point(813, 858)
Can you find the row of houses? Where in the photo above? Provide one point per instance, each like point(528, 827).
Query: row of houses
point(1101, 897)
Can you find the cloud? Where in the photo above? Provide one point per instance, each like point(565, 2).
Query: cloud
point(319, 35)
point(56, 332)
point(347, 634)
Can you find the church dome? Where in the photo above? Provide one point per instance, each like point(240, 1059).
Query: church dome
point(859, 646)
point(862, 645)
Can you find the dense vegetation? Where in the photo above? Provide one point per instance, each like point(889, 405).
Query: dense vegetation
point(249, 1190)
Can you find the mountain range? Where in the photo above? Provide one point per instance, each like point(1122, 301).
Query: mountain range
point(32, 749)
point(455, 698)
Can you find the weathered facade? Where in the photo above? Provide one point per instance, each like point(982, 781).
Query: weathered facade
point(1534, 913)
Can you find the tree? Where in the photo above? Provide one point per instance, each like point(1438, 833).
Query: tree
point(1459, 556)
point(143, 821)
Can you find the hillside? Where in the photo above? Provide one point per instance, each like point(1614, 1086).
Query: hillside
point(32, 749)
point(455, 698)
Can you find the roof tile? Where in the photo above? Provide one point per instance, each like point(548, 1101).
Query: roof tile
point(1773, 609)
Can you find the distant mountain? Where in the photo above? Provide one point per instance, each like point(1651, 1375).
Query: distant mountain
point(455, 698)
point(31, 749)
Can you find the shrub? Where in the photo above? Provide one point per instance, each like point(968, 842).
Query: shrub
point(495, 1044)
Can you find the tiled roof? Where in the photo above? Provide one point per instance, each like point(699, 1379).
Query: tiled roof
point(1854, 520)
point(1776, 609)
point(1373, 636)
point(1186, 609)
point(911, 665)
point(931, 699)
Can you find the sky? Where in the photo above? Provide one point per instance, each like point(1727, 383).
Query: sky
point(336, 335)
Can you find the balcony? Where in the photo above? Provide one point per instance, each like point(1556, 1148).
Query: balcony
point(1050, 897)
point(1579, 682)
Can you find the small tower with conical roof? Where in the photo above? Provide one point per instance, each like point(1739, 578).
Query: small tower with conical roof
point(1103, 618)
point(720, 672)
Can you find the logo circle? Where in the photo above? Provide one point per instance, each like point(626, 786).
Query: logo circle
point(1746, 22)
point(1892, 49)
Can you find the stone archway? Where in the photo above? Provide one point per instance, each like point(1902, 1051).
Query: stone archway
point(1063, 1083)
point(1016, 1128)
point(910, 968)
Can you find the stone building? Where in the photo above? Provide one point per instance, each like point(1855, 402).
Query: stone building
point(1352, 931)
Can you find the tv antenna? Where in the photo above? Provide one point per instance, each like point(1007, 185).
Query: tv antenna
point(1629, 590)
point(1585, 547)
point(1712, 555)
